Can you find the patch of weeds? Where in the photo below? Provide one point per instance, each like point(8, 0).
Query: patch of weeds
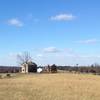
point(8, 75)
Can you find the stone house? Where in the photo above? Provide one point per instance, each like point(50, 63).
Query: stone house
point(29, 68)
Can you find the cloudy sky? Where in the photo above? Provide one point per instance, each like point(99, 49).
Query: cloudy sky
point(64, 32)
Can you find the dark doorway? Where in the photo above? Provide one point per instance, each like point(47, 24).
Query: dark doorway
point(32, 67)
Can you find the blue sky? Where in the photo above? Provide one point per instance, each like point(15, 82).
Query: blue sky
point(64, 32)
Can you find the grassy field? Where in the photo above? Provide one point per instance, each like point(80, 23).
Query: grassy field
point(60, 86)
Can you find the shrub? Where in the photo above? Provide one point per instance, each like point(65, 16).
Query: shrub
point(0, 76)
point(8, 75)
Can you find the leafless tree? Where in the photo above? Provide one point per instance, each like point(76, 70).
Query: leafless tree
point(24, 58)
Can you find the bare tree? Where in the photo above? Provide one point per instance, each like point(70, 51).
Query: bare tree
point(24, 58)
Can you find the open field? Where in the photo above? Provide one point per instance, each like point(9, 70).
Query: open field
point(60, 86)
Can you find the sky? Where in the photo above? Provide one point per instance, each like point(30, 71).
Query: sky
point(64, 32)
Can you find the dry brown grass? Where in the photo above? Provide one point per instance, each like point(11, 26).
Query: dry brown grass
point(51, 87)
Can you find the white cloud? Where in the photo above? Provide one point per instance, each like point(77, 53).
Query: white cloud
point(69, 60)
point(39, 55)
point(15, 22)
point(62, 58)
point(63, 17)
point(89, 41)
point(51, 50)
point(67, 56)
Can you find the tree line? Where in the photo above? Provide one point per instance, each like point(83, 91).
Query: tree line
point(94, 68)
